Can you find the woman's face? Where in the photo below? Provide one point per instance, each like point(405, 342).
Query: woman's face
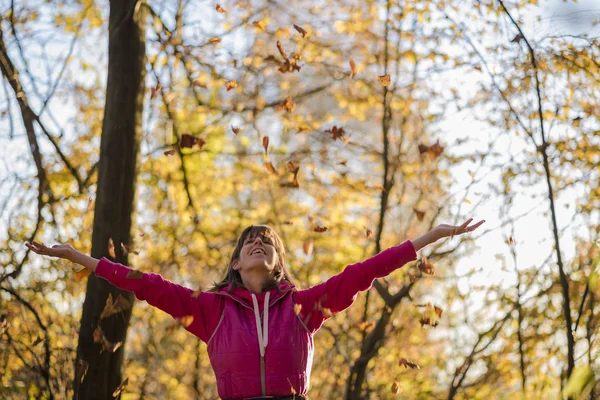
point(257, 253)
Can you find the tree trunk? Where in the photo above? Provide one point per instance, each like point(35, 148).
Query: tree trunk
point(117, 170)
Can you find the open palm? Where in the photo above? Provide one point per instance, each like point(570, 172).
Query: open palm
point(445, 230)
point(58, 250)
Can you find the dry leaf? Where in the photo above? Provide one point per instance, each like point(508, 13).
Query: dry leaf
point(184, 321)
point(154, 91)
point(297, 308)
point(510, 240)
point(127, 249)
point(188, 141)
point(281, 50)
point(121, 387)
point(111, 248)
point(214, 40)
point(293, 167)
point(260, 24)
point(232, 84)
point(433, 151)
point(300, 30)
point(425, 266)
point(265, 143)
point(235, 130)
point(287, 105)
point(420, 214)
point(270, 168)
point(427, 321)
point(82, 273)
point(308, 247)
point(403, 362)
point(517, 38)
point(90, 204)
point(352, 69)
point(395, 388)
point(336, 133)
point(196, 293)
point(198, 82)
point(319, 229)
point(170, 152)
point(293, 184)
point(82, 368)
point(327, 313)
point(220, 9)
point(134, 274)
point(368, 232)
point(384, 80)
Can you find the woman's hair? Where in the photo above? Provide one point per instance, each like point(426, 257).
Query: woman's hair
point(233, 278)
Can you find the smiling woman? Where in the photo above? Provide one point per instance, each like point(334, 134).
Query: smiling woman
point(258, 326)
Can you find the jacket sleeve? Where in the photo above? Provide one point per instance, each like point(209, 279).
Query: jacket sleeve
point(339, 292)
point(167, 296)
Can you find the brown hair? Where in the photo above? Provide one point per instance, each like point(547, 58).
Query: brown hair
point(233, 278)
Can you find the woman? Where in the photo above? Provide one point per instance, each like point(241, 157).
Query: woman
point(257, 324)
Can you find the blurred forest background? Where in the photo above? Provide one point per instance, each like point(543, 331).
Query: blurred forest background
point(378, 120)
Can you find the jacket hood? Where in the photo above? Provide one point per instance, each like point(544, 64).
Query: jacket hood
point(244, 296)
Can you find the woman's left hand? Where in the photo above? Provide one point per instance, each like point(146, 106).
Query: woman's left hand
point(445, 230)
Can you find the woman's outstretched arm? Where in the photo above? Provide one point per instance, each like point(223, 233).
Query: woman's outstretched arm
point(174, 299)
point(339, 292)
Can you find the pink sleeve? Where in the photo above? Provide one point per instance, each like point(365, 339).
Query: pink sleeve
point(167, 296)
point(340, 291)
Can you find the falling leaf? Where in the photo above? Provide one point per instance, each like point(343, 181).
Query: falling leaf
point(232, 84)
point(319, 229)
point(270, 168)
point(214, 40)
point(336, 133)
point(98, 334)
point(368, 232)
point(293, 184)
point(403, 362)
point(154, 91)
point(395, 388)
point(352, 69)
point(293, 167)
point(134, 274)
point(113, 307)
point(82, 368)
point(287, 105)
point(327, 313)
point(427, 321)
point(289, 222)
point(577, 121)
point(365, 326)
point(235, 130)
point(413, 278)
point(196, 293)
point(308, 247)
point(343, 162)
point(82, 273)
point(517, 38)
point(434, 150)
point(220, 9)
point(188, 141)
point(438, 311)
point(127, 249)
point(90, 204)
point(184, 321)
point(121, 387)
point(477, 67)
point(420, 214)
point(297, 308)
point(170, 152)
point(384, 80)
point(265, 143)
point(300, 30)
point(260, 24)
point(111, 248)
point(425, 266)
point(509, 240)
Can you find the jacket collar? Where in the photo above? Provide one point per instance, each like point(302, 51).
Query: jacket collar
point(244, 296)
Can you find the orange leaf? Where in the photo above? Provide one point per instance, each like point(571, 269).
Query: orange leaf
point(235, 130)
point(308, 247)
point(297, 308)
point(281, 50)
point(82, 368)
point(384, 80)
point(196, 293)
point(293, 167)
point(214, 40)
point(220, 9)
point(121, 387)
point(425, 266)
point(319, 229)
point(154, 91)
point(134, 274)
point(265, 143)
point(82, 273)
point(197, 82)
point(270, 168)
point(420, 214)
point(300, 30)
point(111, 248)
point(352, 69)
point(287, 105)
point(90, 204)
point(368, 232)
point(395, 388)
point(336, 133)
point(403, 362)
point(170, 152)
point(232, 84)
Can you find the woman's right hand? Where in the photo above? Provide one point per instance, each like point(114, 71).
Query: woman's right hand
point(58, 250)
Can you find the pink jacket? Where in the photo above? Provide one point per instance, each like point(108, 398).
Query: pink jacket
point(259, 349)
